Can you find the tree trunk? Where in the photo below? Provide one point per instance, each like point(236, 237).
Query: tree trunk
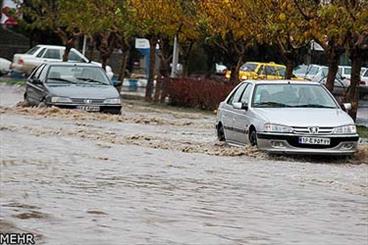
point(164, 73)
point(124, 61)
point(186, 55)
point(91, 49)
point(234, 75)
point(353, 94)
point(333, 66)
point(151, 75)
point(289, 68)
point(66, 53)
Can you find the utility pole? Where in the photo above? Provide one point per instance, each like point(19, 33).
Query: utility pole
point(175, 59)
point(84, 45)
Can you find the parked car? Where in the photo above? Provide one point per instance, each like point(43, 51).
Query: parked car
point(286, 117)
point(341, 84)
point(345, 71)
point(4, 66)
point(259, 70)
point(307, 72)
point(25, 63)
point(364, 83)
point(82, 86)
point(220, 69)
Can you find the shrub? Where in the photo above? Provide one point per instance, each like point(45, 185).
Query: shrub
point(197, 93)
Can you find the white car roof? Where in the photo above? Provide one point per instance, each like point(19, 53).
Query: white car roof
point(281, 82)
point(50, 46)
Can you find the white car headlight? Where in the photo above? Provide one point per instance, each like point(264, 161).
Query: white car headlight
point(60, 100)
point(112, 101)
point(346, 129)
point(277, 128)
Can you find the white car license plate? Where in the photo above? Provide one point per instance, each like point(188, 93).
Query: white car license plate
point(89, 108)
point(314, 141)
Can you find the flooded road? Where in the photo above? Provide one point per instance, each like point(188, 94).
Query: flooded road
point(157, 176)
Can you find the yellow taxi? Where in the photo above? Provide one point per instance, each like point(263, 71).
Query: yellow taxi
point(259, 70)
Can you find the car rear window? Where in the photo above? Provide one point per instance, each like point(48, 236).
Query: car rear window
point(33, 50)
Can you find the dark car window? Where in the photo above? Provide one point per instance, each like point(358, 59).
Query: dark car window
point(41, 53)
point(73, 56)
point(43, 74)
point(36, 72)
point(77, 74)
point(281, 71)
point(269, 70)
point(52, 54)
point(246, 95)
point(235, 97)
point(248, 67)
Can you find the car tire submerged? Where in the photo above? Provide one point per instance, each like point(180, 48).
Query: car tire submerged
point(220, 132)
point(253, 136)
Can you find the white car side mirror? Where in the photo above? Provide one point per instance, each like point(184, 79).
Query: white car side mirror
point(347, 106)
point(240, 106)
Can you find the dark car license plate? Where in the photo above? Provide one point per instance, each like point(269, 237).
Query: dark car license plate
point(314, 141)
point(89, 108)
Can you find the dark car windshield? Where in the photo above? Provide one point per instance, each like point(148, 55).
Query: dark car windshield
point(77, 74)
point(291, 95)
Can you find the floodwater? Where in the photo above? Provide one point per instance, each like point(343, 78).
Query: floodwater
point(157, 176)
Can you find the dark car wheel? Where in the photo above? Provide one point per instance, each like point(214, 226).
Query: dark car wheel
point(253, 137)
point(42, 104)
point(220, 132)
point(26, 99)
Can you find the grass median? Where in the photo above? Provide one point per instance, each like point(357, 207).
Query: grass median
point(17, 82)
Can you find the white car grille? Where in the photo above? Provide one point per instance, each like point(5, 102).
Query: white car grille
point(313, 130)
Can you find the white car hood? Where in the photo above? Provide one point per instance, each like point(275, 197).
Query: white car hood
point(304, 117)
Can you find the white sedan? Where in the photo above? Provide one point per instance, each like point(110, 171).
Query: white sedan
point(25, 63)
point(4, 66)
point(286, 117)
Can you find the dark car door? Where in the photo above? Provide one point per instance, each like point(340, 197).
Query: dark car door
point(35, 90)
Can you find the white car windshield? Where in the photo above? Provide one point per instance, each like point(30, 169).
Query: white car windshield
point(292, 95)
point(300, 70)
point(77, 74)
point(312, 70)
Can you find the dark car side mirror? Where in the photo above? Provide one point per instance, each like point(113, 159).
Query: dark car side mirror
point(36, 81)
point(117, 83)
